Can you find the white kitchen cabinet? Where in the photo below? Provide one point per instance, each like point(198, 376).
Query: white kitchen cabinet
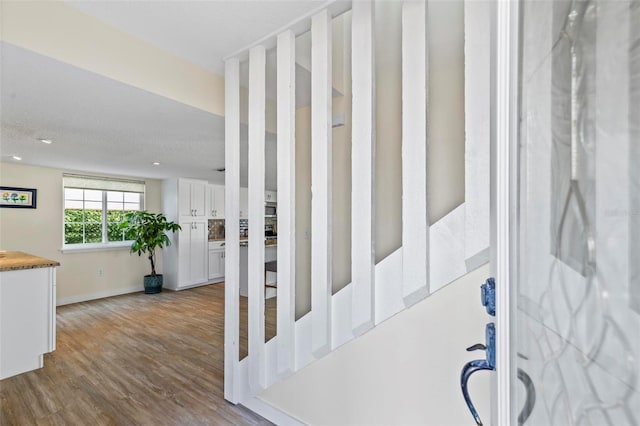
point(27, 312)
point(185, 261)
point(192, 198)
point(192, 265)
point(244, 203)
point(216, 265)
point(215, 201)
point(271, 196)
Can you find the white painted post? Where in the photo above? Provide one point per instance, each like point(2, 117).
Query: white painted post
point(362, 168)
point(321, 204)
point(257, 104)
point(232, 234)
point(415, 220)
point(477, 68)
point(286, 104)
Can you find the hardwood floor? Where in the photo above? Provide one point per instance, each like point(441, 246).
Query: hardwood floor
point(131, 360)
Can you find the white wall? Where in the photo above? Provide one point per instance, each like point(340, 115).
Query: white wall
point(445, 173)
point(39, 232)
point(404, 371)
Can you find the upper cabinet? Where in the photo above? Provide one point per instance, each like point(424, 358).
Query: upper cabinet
point(215, 201)
point(270, 196)
point(184, 199)
point(192, 198)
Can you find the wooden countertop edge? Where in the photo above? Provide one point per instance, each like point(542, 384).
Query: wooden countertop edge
point(16, 261)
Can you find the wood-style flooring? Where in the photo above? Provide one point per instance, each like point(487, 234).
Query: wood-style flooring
point(135, 359)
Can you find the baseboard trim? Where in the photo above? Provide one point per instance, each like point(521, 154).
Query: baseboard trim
point(271, 413)
point(100, 295)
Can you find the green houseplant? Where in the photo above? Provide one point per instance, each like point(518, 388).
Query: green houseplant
point(148, 232)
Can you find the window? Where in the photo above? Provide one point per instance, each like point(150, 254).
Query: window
point(94, 208)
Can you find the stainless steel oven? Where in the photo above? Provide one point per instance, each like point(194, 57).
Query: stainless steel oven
point(270, 209)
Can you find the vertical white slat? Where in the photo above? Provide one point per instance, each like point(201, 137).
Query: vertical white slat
point(477, 67)
point(321, 182)
point(362, 168)
point(286, 105)
point(257, 94)
point(415, 220)
point(232, 234)
point(504, 142)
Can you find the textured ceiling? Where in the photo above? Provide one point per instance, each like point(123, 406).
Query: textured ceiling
point(101, 125)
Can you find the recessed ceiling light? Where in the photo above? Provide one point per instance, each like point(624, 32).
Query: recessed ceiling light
point(47, 141)
point(155, 163)
point(15, 157)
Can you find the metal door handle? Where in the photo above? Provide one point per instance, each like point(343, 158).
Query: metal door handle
point(470, 368)
point(489, 363)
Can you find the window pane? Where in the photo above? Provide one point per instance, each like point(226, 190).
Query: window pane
point(93, 205)
point(114, 206)
point(93, 216)
point(115, 196)
point(73, 215)
point(73, 194)
point(73, 233)
point(73, 204)
point(85, 214)
point(115, 216)
point(132, 197)
point(114, 233)
point(93, 233)
point(131, 206)
point(92, 195)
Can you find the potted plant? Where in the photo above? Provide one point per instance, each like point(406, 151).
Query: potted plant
point(148, 232)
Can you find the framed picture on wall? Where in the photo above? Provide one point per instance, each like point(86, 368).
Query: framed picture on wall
point(21, 198)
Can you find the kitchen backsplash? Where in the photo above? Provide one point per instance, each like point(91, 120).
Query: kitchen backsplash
point(216, 229)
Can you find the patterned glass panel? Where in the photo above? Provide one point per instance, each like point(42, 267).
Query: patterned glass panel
point(578, 310)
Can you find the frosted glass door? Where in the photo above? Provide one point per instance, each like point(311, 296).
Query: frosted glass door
point(577, 316)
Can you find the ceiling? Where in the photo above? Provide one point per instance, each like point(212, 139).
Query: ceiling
point(102, 125)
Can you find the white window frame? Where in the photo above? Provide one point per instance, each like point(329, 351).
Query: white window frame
point(108, 186)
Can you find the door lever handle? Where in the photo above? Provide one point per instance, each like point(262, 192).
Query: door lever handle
point(470, 368)
point(477, 347)
point(489, 363)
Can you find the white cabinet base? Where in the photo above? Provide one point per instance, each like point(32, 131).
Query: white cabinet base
point(27, 319)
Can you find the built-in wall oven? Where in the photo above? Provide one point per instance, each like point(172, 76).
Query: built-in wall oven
point(270, 209)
